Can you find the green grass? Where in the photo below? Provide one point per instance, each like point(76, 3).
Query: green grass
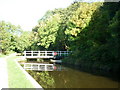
point(16, 78)
point(1, 55)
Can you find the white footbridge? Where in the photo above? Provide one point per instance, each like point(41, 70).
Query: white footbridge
point(45, 54)
point(42, 54)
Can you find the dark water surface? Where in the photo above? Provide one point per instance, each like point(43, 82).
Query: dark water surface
point(72, 78)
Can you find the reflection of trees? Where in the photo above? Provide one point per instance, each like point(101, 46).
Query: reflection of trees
point(43, 78)
point(61, 78)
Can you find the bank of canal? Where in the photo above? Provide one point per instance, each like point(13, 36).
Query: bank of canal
point(72, 78)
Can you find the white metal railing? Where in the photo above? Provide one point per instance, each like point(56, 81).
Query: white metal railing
point(38, 53)
point(62, 53)
point(38, 66)
point(47, 54)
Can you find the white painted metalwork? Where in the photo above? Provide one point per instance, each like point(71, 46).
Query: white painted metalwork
point(45, 54)
point(38, 66)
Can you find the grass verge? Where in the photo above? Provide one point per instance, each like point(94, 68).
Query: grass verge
point(2, 55)
point(16, 78)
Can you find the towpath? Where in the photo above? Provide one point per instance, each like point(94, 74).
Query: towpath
point(3, 73)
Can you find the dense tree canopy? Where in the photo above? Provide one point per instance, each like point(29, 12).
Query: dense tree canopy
point(8, 34)
point(90, 30)
point(12, 38)
point(58, 28)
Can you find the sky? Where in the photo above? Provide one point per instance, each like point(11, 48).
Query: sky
point(26, 13)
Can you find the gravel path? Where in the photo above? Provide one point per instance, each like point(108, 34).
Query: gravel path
point(3, 73)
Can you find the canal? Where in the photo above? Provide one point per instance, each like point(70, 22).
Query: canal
point(66, 77)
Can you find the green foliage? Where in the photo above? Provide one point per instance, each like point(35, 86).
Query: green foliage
point(48, 29)
point(90, 30)
point(51, 28)
point(98, 42)
point(12, 38)
point(24, 41)
point(8, 33)
point(82, 17)
point(43, 78)
point(46, 79)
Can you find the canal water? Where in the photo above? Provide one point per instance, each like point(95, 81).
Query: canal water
point(65, 77)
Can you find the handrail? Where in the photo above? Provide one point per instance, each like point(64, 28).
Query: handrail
point(46, 54)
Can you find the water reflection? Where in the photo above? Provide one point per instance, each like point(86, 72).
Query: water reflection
point(43, 78)
point(64, 77)
point(74, 79)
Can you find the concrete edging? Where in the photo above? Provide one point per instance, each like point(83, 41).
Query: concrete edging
point(29, 77)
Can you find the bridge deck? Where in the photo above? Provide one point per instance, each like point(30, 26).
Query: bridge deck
point(39, 57)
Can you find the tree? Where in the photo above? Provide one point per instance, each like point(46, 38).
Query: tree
point(8, 32)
